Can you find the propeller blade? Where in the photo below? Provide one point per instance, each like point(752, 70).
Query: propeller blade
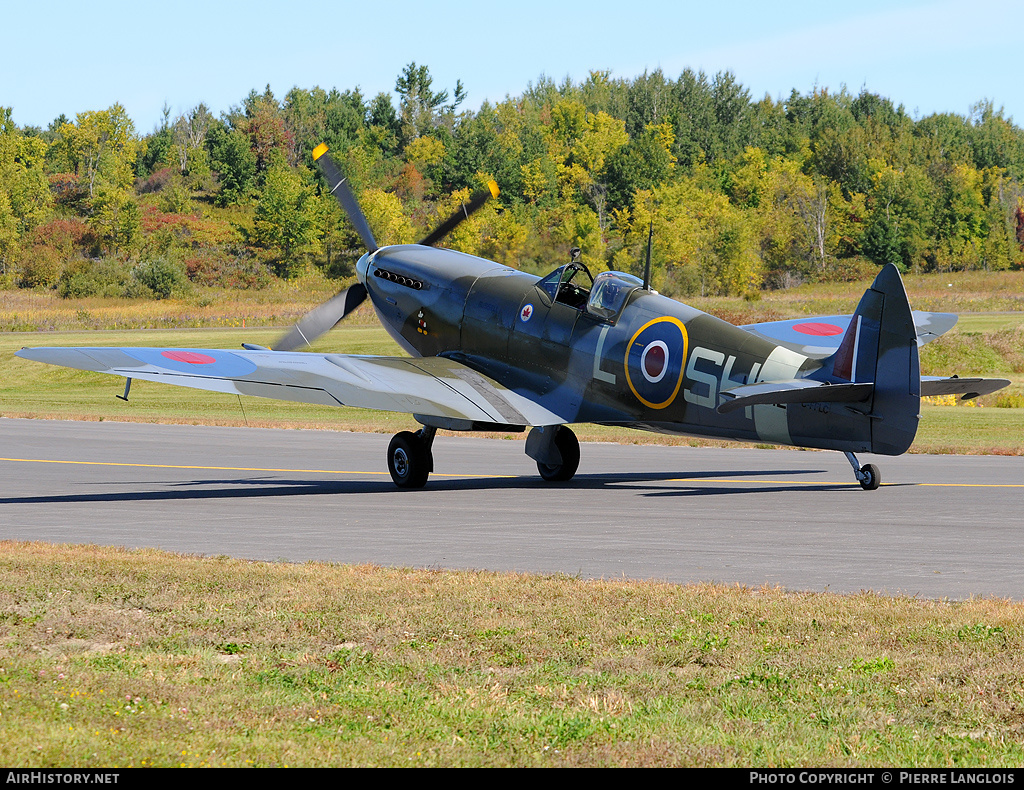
point(462, 213)
point(340, 189)
point(322, 319)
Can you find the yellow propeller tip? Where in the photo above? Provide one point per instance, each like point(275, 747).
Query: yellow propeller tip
point(319, 151)
point(493, 186)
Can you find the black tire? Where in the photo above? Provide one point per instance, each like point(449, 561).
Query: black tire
point(871, 479)
point(409, 460)
point(569, 448)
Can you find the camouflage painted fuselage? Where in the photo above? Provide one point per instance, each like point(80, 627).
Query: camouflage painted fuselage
point(658, 365)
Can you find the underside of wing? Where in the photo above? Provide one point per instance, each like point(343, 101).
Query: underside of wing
point(430, 386)
point(820, 337)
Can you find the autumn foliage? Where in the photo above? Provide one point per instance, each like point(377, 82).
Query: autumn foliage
point(743, 194)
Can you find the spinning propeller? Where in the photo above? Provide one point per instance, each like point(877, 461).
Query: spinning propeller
point(323, 318)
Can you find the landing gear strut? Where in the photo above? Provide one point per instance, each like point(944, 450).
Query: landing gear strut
point(410, 461)
point(868, 475)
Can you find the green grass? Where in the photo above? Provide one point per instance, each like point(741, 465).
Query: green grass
point(118, 658)
point(970, 431)
point(988, 322)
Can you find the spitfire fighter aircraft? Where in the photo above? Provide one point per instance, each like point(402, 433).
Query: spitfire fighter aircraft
point(496, 349)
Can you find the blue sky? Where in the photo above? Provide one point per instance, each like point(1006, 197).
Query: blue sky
point(68, 57)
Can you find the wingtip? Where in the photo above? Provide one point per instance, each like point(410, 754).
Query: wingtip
point(493, 186)
point(319, 151)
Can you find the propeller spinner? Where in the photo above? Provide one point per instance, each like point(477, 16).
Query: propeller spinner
point(323, 318)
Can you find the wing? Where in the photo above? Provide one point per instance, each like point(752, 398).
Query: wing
point(431, 386)
point(820, 337)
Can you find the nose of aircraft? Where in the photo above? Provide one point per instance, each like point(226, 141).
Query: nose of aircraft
point(362, 265)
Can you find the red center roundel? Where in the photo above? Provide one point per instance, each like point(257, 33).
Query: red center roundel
point(654, 361)
point(816, 328)
point(191, 357)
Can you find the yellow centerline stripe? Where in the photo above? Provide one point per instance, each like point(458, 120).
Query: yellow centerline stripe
point(833, 483)
point(223, 468)
point(441, 474)
point(974, 485)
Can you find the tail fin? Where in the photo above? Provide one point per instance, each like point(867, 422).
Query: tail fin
point(880, 346)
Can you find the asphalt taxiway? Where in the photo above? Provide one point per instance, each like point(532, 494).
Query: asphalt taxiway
point(939, 527)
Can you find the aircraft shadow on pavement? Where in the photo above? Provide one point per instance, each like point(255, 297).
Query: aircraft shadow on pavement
point(691, 483)
point(682, 484)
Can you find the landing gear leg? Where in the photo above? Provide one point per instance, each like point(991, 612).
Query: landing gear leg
point(868, 475)
point(410, 461)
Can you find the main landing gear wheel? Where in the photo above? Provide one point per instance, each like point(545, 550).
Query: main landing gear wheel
point(569, 448)
point(410, 461)
point(868, 475)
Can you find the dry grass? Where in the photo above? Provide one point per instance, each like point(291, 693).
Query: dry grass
point(960, 292)
point(282, 303)
point(114, 657)
point(278, 306)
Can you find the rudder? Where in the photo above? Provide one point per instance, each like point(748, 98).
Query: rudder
point(880, 346)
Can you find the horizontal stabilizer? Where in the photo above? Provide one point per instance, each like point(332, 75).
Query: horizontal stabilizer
point(954, 385)
point(793, 391)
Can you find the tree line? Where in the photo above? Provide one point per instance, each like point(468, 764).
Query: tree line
point(742, 193)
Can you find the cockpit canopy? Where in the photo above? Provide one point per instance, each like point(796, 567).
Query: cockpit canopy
point(604, 299)
point(609, 293)
point(566, 286)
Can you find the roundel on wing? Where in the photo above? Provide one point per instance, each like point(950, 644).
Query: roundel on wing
point(191, 357)
point(205, 362)
point(654, 361)
point(817, 328)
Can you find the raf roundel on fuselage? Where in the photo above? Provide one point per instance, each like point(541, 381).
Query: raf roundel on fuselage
point(654, 361)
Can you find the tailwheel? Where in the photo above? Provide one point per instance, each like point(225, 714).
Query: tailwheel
point(568, 447)
point(869, 478)
point(868, 475)
point(410, 461)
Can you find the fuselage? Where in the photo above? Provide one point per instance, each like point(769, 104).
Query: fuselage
point(655, 364)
